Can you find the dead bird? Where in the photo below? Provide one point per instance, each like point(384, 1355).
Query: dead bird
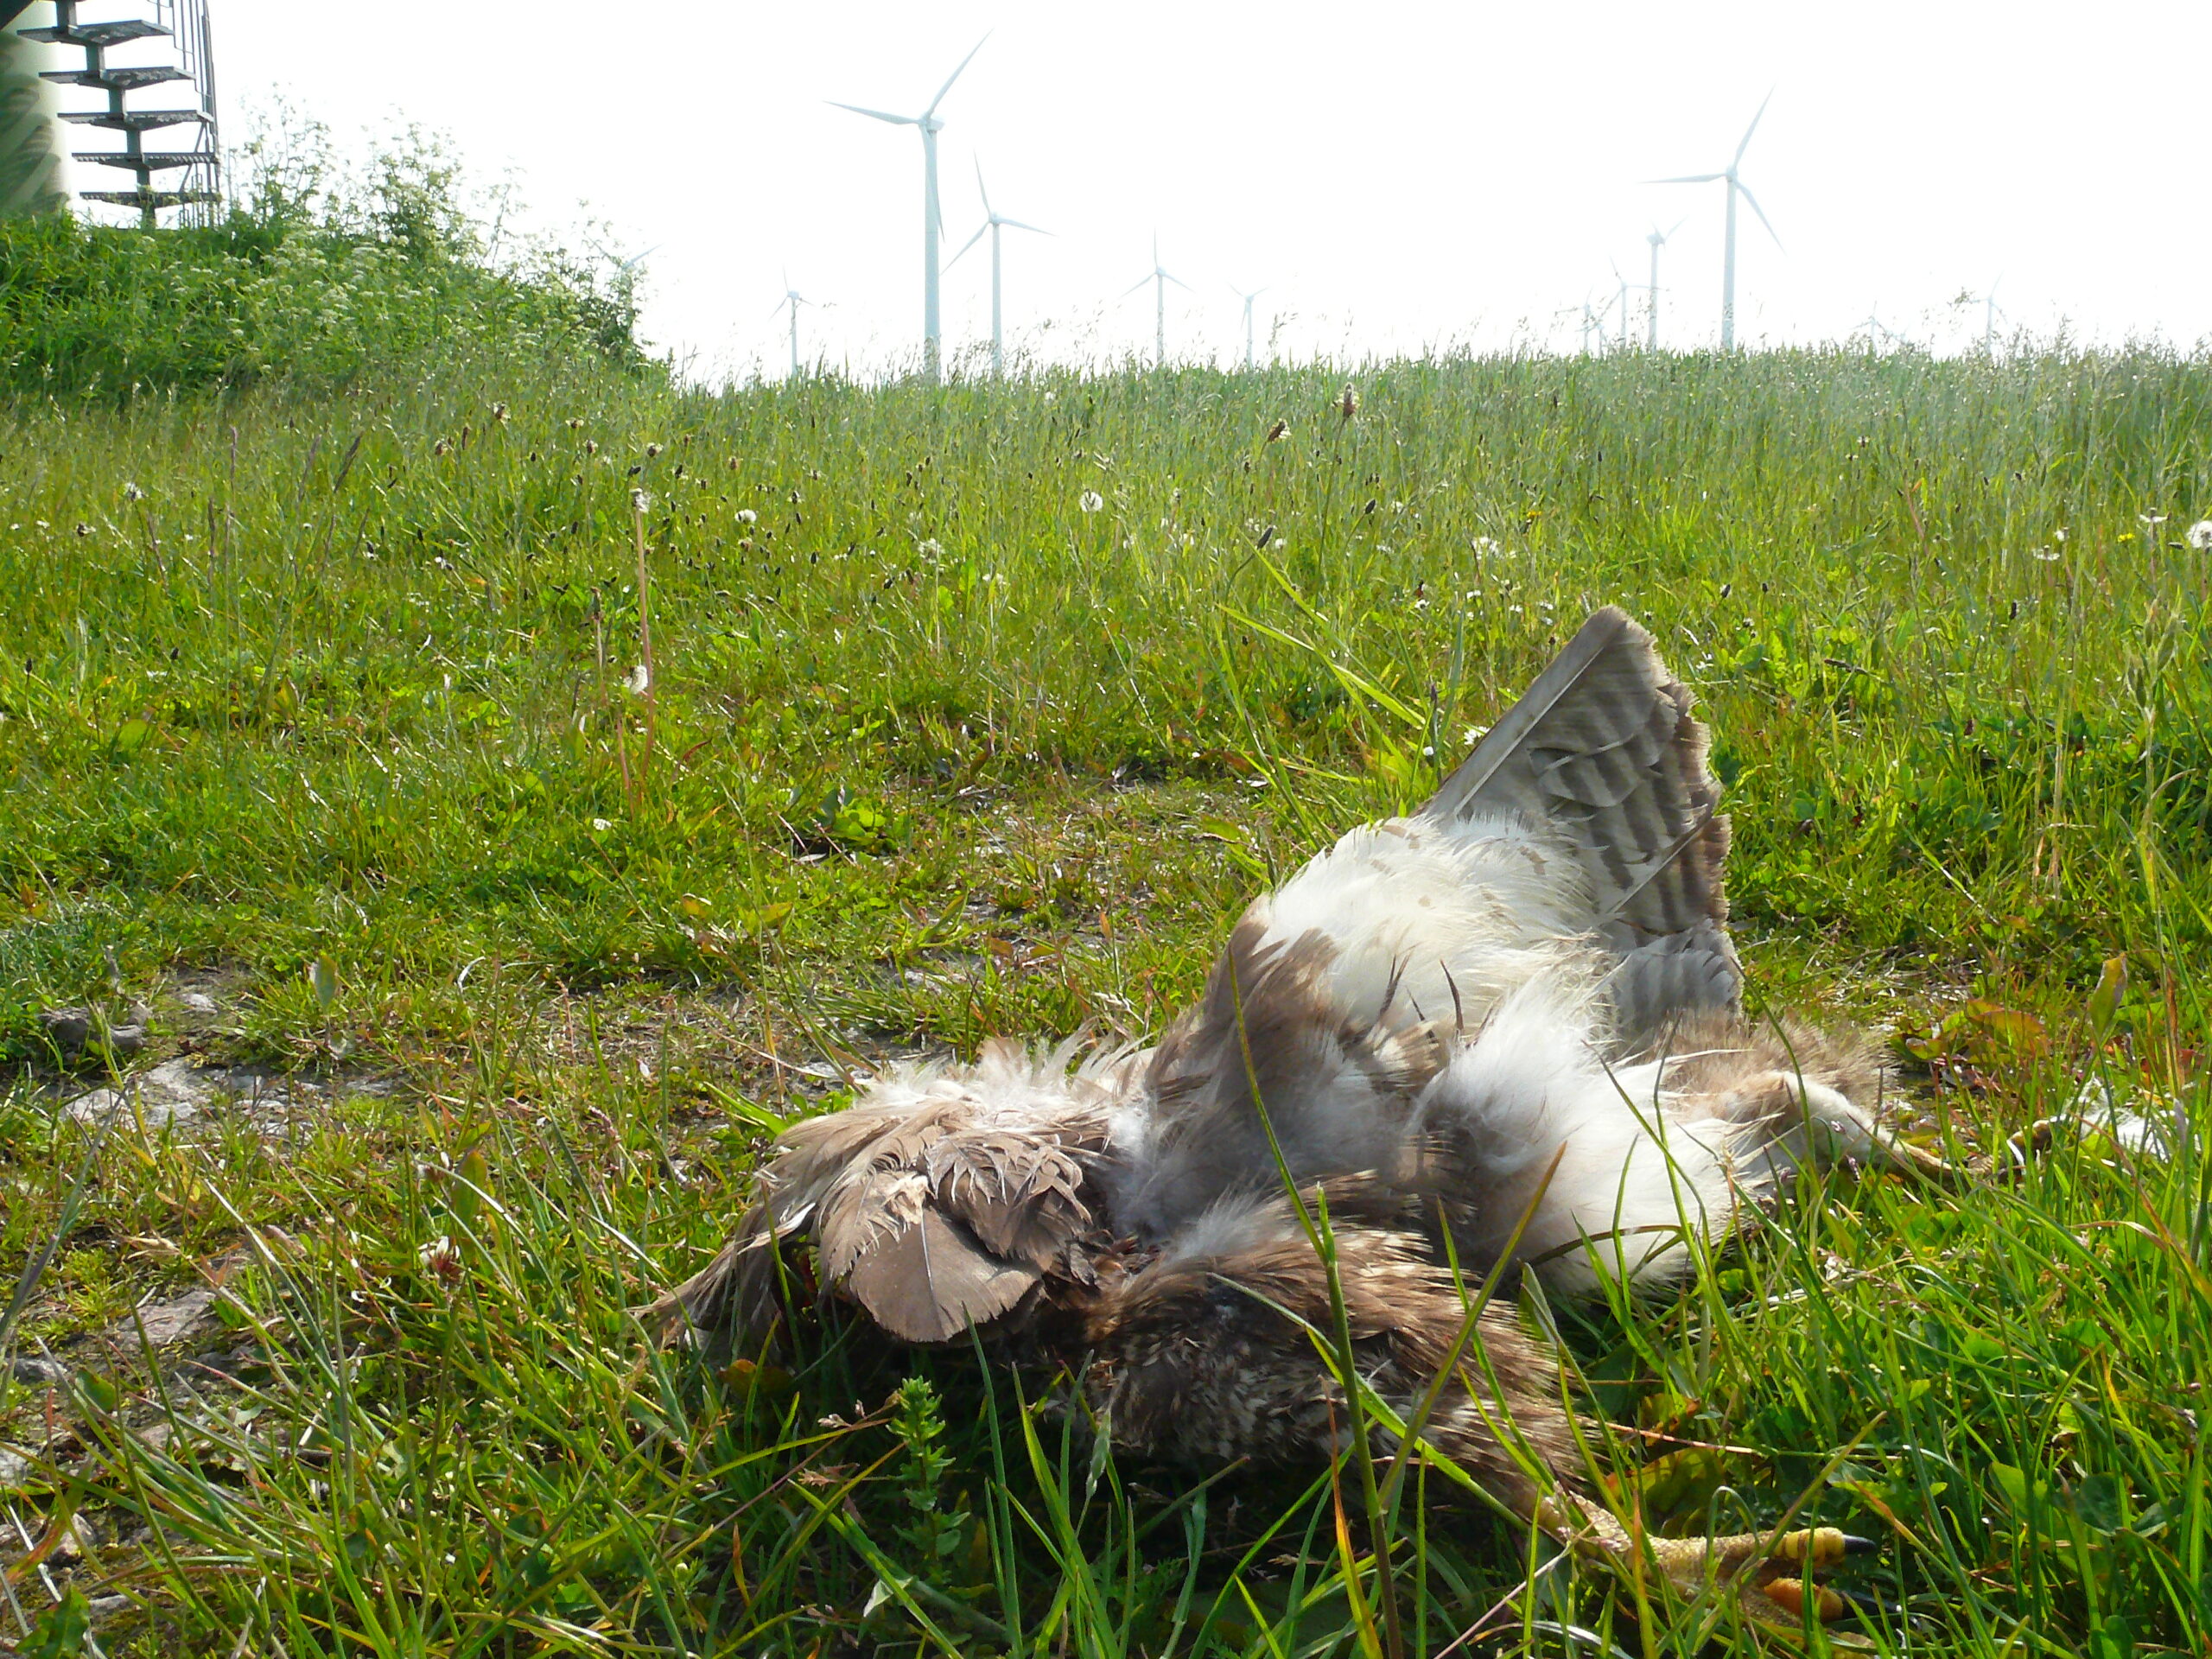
point(1505, 1031)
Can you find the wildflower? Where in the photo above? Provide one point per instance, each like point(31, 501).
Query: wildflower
point(132, 492)
point(439, 1257)
point(932, 549)
point(442, 447)
point(1090, 501)
point(653, 451)
point(641, 680)
point(601, 825)
point(499, 414)
point(2051, 555)
point(84, 530)
point(1279, 431)
point(575, 423)
point(1348, 401)
point(2199, 535)
point(640, 502)
point(1484, 546)
point(747, 516)
point(591, 446)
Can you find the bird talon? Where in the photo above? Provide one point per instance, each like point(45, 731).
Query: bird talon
point(1794, 1596)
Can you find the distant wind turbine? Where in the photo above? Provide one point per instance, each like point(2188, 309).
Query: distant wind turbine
point(932, 210)
point(1735, 187)
point(993, 222)
point(1658, 238)
point(1620, 336)
point(1990, 312)
point(1874, 328)
point(1248, 299)
point(1160, 277)
point(792, 300)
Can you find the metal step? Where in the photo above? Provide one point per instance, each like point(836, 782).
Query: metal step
point(144, 198)
point(97, 34)
point(153, 161)
point(113, 80)
point(133, 120)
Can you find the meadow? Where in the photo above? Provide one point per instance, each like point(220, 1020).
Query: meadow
point(542, 779)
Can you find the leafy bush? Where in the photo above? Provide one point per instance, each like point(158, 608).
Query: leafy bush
point(315, 276)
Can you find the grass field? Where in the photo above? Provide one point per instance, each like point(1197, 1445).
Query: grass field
point(540, 785)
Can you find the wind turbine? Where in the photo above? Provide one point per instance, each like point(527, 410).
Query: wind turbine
point(1621, 334)
point(933, 211)
point(1160, 277)
point(1735, 187)
point(1992, 311)
point(792, 300)
point(1874, 328)
point(993, 221)
point(1248, 299)
point(1658, 238)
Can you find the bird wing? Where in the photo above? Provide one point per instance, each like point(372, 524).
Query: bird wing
point(938, 1201)
point(1579, 839)
point(1603, 750)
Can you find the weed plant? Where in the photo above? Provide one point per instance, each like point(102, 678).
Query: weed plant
point(599, 765)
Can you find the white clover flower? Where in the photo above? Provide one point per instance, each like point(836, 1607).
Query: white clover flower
point(1090, 501)
point(747, 516)
point(601, 825)
point(2199, 535)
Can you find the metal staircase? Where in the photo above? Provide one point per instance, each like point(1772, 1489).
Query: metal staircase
point(196, 187)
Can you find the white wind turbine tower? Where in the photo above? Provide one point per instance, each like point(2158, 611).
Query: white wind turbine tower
point(1160, 277)
point(1248, 299)
point(1990, 312)
point(1658, 238)
point(792, 300)
point(932, 212)
point(1876, 330)
point(1735, 187)
point(993, 222)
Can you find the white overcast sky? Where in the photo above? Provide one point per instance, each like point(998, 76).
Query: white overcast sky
point(1399, 175)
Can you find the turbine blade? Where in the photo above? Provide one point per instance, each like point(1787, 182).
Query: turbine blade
point(895, 120)
point(968, 243)
point(1016, 225)
point(1689, 178)
point(1747, 195)
point(1753, 128)
point(981, 191)
point(1137, 284)
point(1179, 282)
point(954, 76)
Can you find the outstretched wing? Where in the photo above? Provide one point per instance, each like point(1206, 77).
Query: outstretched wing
point(1604, 750)
point(938, 1201)
point(1586, 814)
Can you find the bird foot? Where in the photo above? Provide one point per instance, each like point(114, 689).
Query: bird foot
point(1772, 1572)
point(1774, 1575)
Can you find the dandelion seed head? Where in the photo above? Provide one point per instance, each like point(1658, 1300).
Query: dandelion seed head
point(747, 516)
point(640, 501)
point(640, 680)
point(2199, 535)
point(1090, 501)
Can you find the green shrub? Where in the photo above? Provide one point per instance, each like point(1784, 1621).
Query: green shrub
point(314, 276)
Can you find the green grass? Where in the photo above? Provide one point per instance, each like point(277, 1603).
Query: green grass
point(321, 704)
